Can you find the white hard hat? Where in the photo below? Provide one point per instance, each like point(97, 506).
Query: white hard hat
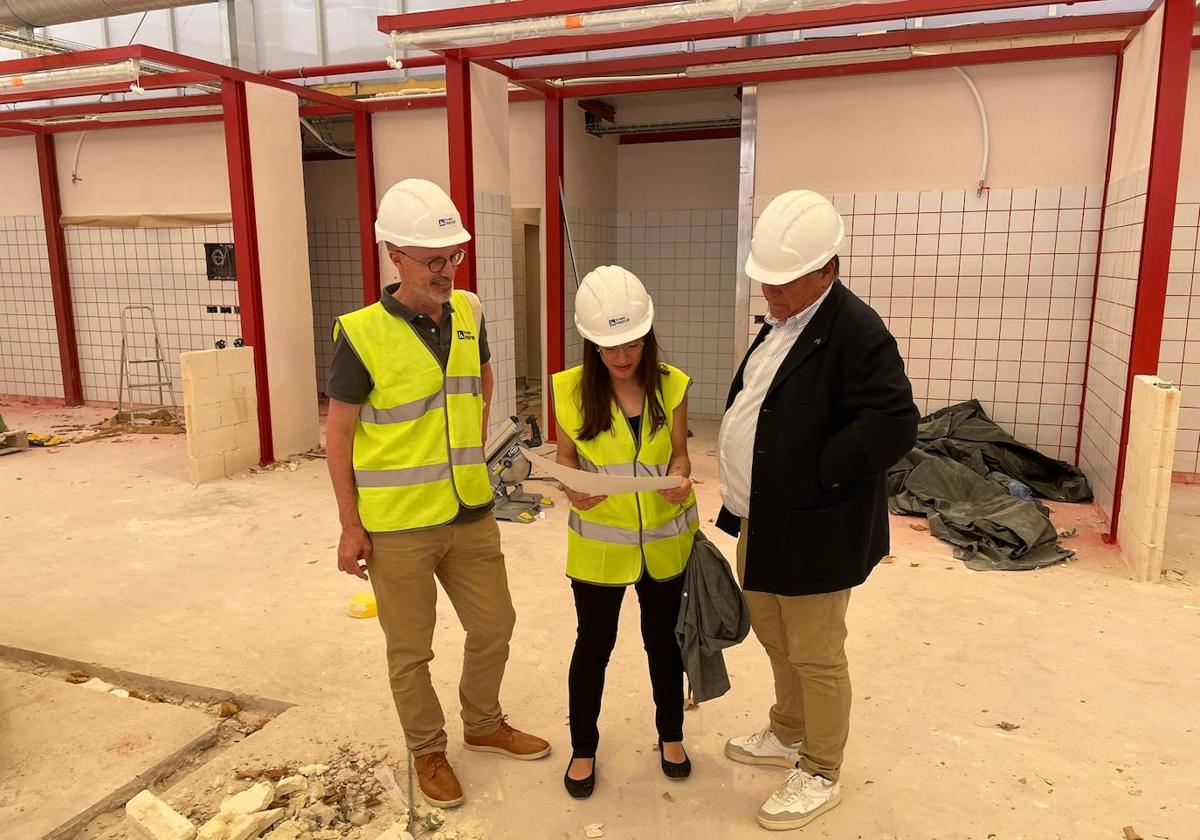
point(418, 212)
point(799, 232)
point(612, 307)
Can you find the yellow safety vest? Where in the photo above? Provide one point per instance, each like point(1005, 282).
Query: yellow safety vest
point(418, 443)
point(612, 542)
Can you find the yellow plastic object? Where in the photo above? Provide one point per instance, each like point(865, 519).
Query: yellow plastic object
point(362, 605)
point(36, 439)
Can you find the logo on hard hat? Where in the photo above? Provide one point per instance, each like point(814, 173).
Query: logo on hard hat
point(620, 319)
point(448, 220)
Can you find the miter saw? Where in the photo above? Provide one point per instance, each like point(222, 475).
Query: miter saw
point(509, 468)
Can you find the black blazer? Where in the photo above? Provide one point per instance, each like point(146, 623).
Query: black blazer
point(838, 414)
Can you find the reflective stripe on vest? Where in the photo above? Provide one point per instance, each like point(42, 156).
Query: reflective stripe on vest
point(631, 468)
point(417, 408)
point(418, 444)
point(613, 542)
point(625, 536)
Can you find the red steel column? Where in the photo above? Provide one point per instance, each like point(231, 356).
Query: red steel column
point(1087, 359)
point(245, 250)
point(364, 165)
point(462, 167)
point(553, 225)
point(1166, 148)
point(60, 278)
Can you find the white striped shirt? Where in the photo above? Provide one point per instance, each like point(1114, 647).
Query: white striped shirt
point(735, 444)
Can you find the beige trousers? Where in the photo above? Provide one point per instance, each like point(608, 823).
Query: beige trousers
point(467, 560)
point(805, 639)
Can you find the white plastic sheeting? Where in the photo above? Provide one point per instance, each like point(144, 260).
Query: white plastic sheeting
point(614, 20)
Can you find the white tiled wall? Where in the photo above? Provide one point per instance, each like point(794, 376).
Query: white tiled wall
point(989, 297)
point(1116, 293)
point(519, 317)
point(493, 260)
point(161, 267)
point(687, 259)
point(334, 260)
point(1180, 358)
point(29, 362)
point(594, 237)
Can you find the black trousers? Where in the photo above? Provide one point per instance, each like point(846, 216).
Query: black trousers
point(598, 609)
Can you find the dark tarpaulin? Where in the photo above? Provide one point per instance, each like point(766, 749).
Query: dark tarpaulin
point(959, 475)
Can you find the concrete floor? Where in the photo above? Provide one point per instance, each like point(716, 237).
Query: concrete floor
point(68, 749)
point(111, 556)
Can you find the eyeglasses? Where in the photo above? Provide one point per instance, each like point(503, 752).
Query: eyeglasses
point(438, 263)
point(620, 348)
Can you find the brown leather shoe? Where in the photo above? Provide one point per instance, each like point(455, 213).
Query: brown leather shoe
point(439, 785)
point(510, 742)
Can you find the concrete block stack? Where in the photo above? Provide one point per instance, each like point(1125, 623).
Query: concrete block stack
point(1146, 492)
point(221, 412)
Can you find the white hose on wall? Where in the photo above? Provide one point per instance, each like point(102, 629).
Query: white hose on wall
point(983, 126)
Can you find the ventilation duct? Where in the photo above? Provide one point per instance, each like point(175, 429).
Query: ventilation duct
point(17, 13)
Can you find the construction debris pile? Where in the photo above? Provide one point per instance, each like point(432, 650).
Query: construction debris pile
point(352, 797)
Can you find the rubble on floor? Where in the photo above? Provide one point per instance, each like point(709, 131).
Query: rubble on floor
point(351, 796)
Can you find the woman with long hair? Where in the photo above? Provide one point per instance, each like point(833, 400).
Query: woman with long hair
point(624, 412)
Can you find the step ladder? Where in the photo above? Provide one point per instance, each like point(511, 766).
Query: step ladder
point(135, 359)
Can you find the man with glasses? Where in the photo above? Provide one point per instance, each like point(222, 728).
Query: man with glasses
point(409, 389)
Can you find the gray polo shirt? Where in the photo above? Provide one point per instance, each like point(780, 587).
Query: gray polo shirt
point(350, 382)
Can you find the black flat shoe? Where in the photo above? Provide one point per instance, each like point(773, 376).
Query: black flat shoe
point(580, 788)
point(671, 770)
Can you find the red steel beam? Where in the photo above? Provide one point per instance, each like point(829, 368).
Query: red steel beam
point(148, 82)
point(353, 68)
point(517, 10)
point(917, 62)
point(85, 109)
point(820, 46)
point(535, 85)
point(245, 241)
point(187, 62)
point(462, 166)
point(750, 25)
point(364, 169)
point(406, 104)
point(679, 135)
point(1112, 141)
point(599, 109)
point(149, 122)
point(60, 278)
point(206, 69)
point(106, 55)
point(555, 270)
point(1166, 147)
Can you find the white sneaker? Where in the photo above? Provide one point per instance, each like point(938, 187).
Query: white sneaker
point(799, 800)
point(762, 748)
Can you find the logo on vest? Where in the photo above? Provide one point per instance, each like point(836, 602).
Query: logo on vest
point(466, 335)
point(620, 319)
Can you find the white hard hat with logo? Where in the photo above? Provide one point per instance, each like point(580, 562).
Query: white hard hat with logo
point(612, 307)
point(799, 232)
point(418, 212)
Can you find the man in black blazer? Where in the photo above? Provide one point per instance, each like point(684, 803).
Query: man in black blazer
point(819, 410)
